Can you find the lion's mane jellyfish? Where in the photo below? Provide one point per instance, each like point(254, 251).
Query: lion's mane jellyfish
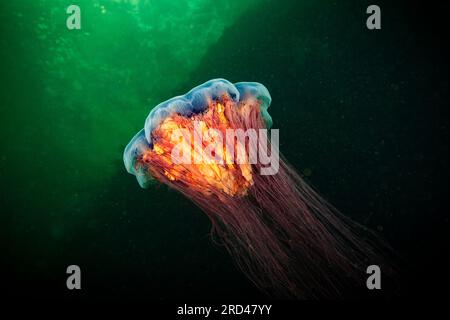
point(285, 237)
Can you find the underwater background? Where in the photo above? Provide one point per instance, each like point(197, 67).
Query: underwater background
point(363, 115)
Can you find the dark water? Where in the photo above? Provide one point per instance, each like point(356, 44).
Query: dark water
point(362, 114)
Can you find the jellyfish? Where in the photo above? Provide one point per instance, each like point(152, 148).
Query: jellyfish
point(216, 146)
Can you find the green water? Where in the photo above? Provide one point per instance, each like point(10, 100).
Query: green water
point(350, 103)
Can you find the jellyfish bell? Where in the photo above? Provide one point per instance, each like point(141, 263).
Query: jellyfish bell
point(204, 129)
point(212, 145)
